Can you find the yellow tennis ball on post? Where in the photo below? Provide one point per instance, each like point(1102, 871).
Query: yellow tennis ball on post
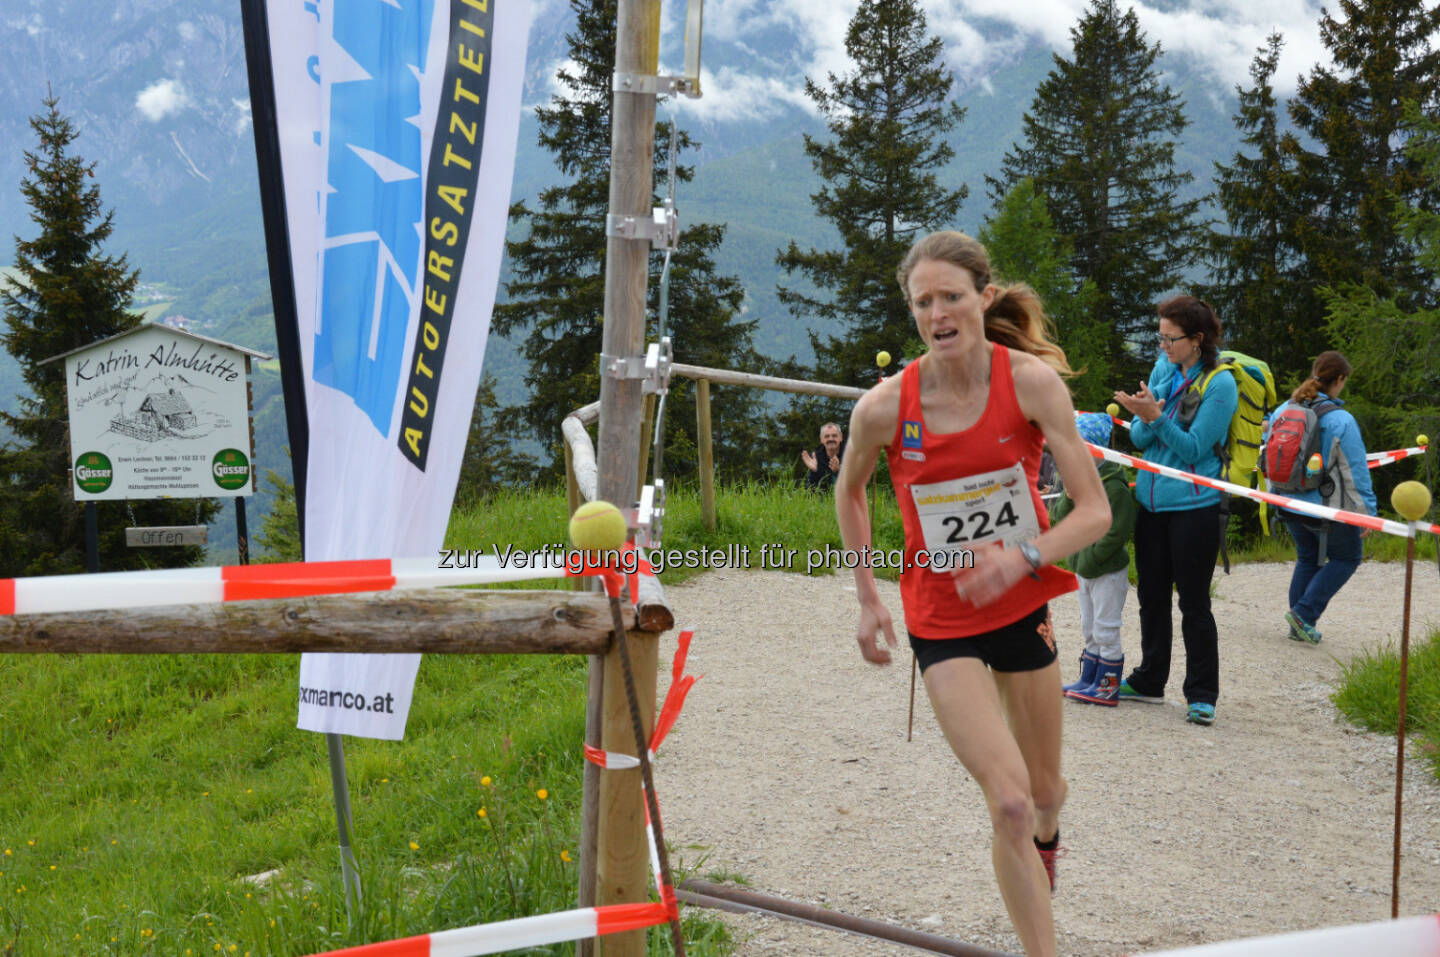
point(882, 358)
point(1112, 410)
point(1422, 439)
point(598, 526)
point(1410, 499)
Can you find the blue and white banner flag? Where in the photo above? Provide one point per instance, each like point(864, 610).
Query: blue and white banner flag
point(396, 122)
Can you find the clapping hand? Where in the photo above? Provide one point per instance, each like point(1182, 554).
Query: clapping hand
point(1142, 404)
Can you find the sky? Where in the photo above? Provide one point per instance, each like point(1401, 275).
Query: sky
point(1219, 35)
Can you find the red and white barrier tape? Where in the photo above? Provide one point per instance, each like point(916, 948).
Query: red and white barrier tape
point(680, 685)
point(1376, 459)
point(1408, 937)
point(1372, 459)
point(523, 932)
point(188, 586)
point(1293, 504)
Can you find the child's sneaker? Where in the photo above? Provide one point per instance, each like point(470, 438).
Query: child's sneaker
point(1201, 713)
point(1299, 631)
point(1127, 693)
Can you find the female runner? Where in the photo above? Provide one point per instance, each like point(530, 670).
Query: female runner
point(963, 428)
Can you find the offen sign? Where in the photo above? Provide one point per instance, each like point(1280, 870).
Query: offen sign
point(162, 535)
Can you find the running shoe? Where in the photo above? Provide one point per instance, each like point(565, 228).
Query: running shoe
point(1299, 631)
point(1201, 713)
point(1048, 857)
point(1127, 693)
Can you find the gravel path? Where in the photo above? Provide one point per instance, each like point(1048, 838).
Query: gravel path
point(790, 767)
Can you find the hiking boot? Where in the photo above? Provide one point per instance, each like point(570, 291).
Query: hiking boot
point(1299, 631)
point(1127, 693)
point(1201, 713)
point(1049, 855)
point(1087, 673)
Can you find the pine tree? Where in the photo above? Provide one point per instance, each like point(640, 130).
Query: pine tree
point(1350, 181)
point(1395, 350)
point(67, 295)
point(279, 537)
point(490, 462)
point(1258, 288)
point(889, 120)
point(557, 298)
point(1099, 142)
point(1024, 247)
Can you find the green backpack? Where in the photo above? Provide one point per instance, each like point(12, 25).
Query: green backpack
point(1256, 384)
point(1240, 452)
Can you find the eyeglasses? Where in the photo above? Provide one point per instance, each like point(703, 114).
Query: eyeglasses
point(1169, 340)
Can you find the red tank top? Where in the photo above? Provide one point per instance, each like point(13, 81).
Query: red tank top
point(962, 490)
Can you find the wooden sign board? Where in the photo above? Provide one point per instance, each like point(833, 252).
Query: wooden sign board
point(161, 535)
point(159, 413)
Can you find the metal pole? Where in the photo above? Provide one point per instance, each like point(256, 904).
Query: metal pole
point(1400, 726)
point(349, 871)
point(92, 538)
point(242, 534)
point(705, 894)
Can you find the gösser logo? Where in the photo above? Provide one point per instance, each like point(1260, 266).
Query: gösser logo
point(93, 472)
point(231, 469)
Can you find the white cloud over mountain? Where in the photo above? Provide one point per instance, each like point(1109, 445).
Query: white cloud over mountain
point(1218, 36)
point(161, 99)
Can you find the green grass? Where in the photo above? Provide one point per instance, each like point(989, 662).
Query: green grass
point(1369, 694)
point(749, 516)
point(144, 790)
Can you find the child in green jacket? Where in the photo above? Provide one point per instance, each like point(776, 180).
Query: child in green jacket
point(1103, 571)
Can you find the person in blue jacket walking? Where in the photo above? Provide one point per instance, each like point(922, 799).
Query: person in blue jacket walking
point(1177, 527)
point(1327, 553)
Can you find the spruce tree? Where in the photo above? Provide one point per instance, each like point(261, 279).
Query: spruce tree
point(1024, 247)
point(557, 298)
point(1258, 287)
point(1353, 168)
point(66, 295)
point(1395, 350)
point(490, 462)
point(1099, 142)
point(888, 119)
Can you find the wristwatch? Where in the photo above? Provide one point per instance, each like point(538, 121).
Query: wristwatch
point(1032, 555)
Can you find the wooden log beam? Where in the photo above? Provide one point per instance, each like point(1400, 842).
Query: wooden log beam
point(436, 621)
point(754, 381)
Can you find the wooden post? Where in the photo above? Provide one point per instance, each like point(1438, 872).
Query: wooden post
point(707, 452)
point(647, 435)
point(624, 852)
point(623, 858)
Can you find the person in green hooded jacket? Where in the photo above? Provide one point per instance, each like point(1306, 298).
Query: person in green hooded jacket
point(1104, 572)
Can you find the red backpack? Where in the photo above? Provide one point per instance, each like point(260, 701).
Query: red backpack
point(1294, 438)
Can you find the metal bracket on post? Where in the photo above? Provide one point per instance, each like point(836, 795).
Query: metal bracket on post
point(687, 85)
point(656, 85)
point(652, 369)
point(649, 515)
point(662, 227)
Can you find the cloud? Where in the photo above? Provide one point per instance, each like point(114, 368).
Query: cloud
point(1219, 37)
point(162, 98)
point(731, 95)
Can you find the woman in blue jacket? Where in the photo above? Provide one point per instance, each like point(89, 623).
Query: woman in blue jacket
point(1177, 528)
point(1327, 553)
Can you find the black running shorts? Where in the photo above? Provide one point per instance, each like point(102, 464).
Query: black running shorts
point(1024, 645)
